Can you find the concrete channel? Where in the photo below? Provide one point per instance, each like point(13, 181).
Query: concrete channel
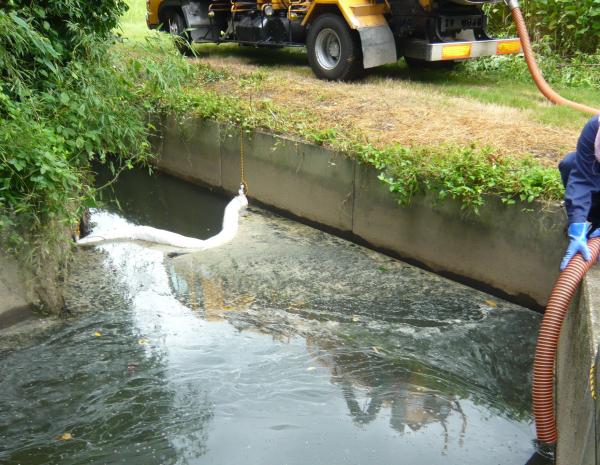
point(505, 249)
point(510, 250)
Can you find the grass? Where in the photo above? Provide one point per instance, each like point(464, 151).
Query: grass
point(500, 88)
point(463, 134)
point(467, 174)
point(133, 23)
point(488, 87)
point(384, 110)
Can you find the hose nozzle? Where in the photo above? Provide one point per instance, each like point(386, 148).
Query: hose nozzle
point(512, 4)
point(544, 455)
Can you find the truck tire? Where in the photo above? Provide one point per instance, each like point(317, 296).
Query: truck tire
point(334, 50)
point(175, 25)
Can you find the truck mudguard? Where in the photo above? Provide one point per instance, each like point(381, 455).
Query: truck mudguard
point(378, 46)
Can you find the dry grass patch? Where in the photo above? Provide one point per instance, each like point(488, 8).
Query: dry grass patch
point(384, 111)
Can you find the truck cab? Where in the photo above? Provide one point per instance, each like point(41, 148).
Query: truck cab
point(342, 37)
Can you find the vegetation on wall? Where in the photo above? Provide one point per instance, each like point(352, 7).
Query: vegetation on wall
point(466, 174)
point(63, 106)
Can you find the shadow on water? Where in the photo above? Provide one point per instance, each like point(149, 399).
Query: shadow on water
point(165, 203)
point(287, 345)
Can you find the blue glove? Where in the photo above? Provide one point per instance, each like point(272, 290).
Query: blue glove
point(578, 243)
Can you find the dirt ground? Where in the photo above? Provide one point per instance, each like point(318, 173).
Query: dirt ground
point(387, 109)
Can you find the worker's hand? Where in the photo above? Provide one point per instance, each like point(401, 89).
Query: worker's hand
point(578, 243)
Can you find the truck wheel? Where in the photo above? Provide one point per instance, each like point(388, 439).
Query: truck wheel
point(175, 25)
point(334, 50)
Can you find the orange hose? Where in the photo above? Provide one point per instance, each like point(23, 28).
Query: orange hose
point(536, 74)
point(545, 352)
point(567, 283)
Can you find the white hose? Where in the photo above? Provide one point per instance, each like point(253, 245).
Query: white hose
point(160, 236)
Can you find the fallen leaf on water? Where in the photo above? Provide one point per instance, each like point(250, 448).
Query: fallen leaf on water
point(143, 341)
point(246, 300)
point(491, 303)
point(376, 350)
point(97, 334)
point(65, 437)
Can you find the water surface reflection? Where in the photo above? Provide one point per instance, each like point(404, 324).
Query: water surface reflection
point(287, 346)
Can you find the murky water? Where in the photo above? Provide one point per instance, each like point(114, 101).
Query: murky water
point(287, 346)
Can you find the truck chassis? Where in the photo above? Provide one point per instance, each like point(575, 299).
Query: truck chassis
point(342, 37)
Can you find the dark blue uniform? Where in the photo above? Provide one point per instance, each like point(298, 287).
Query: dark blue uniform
point(580, 172)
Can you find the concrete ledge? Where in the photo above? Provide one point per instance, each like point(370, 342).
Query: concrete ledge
point(504, 249)
point(577, 412)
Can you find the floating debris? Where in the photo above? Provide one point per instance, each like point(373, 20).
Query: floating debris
point(132, 367)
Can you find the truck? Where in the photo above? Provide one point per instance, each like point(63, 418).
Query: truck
point(343, 38)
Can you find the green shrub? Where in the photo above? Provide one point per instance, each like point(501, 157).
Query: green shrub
point(63, 106)
point(567, 26)
point(580, 70)
point(465, 174)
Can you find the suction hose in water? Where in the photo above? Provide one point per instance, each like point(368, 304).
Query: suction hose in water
point(564, 288)
point(545, 352)
point(536, 74)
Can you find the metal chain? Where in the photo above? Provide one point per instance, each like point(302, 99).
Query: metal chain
point(593, 381)
point(243, 183)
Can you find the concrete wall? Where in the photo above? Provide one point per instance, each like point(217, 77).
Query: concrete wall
point(25, 289)
point(577, 412)
point(505, 249)
point(17, 298)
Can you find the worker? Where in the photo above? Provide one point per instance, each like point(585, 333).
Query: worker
point(580, 173)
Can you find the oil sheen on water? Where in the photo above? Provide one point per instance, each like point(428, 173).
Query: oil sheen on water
point(287, 346)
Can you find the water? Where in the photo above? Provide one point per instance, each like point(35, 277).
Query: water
point(287, 346)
